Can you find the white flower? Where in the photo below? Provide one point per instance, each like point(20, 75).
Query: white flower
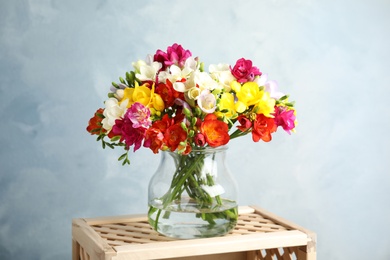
point(205, 81)
point(147, 71)
point(214, 190)
point(112, 112)
point(207, 102)
point(137, 65)
point(270, 86)
point(222, 74)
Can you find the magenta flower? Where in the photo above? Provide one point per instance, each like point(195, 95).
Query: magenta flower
point(285, 118)
point(129, 135)
point(175, 55)
point(243, 71)
point(139, 115)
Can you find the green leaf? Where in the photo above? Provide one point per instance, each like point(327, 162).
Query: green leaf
point(100, 115)
point(115, 138)
point(122, 80)
point(110, 145)
point(123, 156)
point(283, 98)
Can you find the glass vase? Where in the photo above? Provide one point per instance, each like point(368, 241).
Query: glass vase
point(193, 196)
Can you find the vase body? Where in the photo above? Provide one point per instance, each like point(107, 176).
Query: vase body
point(193, 196)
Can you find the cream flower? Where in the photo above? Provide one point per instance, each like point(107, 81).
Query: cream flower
point(222, 74)
point(204, 81)
point(112, 112)
point(207, 102)
point(147, 72)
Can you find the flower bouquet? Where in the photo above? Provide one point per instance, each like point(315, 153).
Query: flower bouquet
point(168, 102)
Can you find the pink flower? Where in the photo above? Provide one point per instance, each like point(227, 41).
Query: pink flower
point(243, 71)
point(139, 115)
point(175, 55)
point(285, 118)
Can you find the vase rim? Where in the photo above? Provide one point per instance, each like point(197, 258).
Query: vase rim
point(204, 149)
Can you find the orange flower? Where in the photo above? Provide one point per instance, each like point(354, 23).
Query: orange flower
point(95, 123)
point(215, 131)
point(263, 127)
point(154, 139)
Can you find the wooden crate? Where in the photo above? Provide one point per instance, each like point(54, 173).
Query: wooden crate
point(258, 235)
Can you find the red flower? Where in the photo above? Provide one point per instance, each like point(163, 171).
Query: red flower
point(245, 123)
point(174, 135)
point(154, 139)
point(215, 131)
point(154, 136)
point(168, 93)
point(263, 127)
point(199, 139)
point(95, 123)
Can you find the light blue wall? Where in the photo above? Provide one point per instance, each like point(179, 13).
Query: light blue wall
point(58, 58)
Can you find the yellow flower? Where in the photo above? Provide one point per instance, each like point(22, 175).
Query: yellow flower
point(248, 95)
point(227, 103)
point(144, 95)
point(266, 105)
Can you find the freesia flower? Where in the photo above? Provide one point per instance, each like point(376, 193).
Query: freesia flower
point(144, 95)
point(148, 72)
point(175, 55)
point(200, 140)
point(215, 131)
point(285, 118)
point(129, 135)
point(174, 135)
point(265, 105)
point(139, 115)
point(222, 74)
point(113, 111)
point(248, 94)
point(204, 81)
point(243, 71)
point(154, 139)
point(263, 127)
point(245, 123)
point(95, 123)
point(227, 104)
point(271, 86)
point(168, 94)
point(207, 102)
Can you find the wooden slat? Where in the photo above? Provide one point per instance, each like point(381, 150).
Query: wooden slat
point(211, 245)
point(93, 244)
point(310, 249)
